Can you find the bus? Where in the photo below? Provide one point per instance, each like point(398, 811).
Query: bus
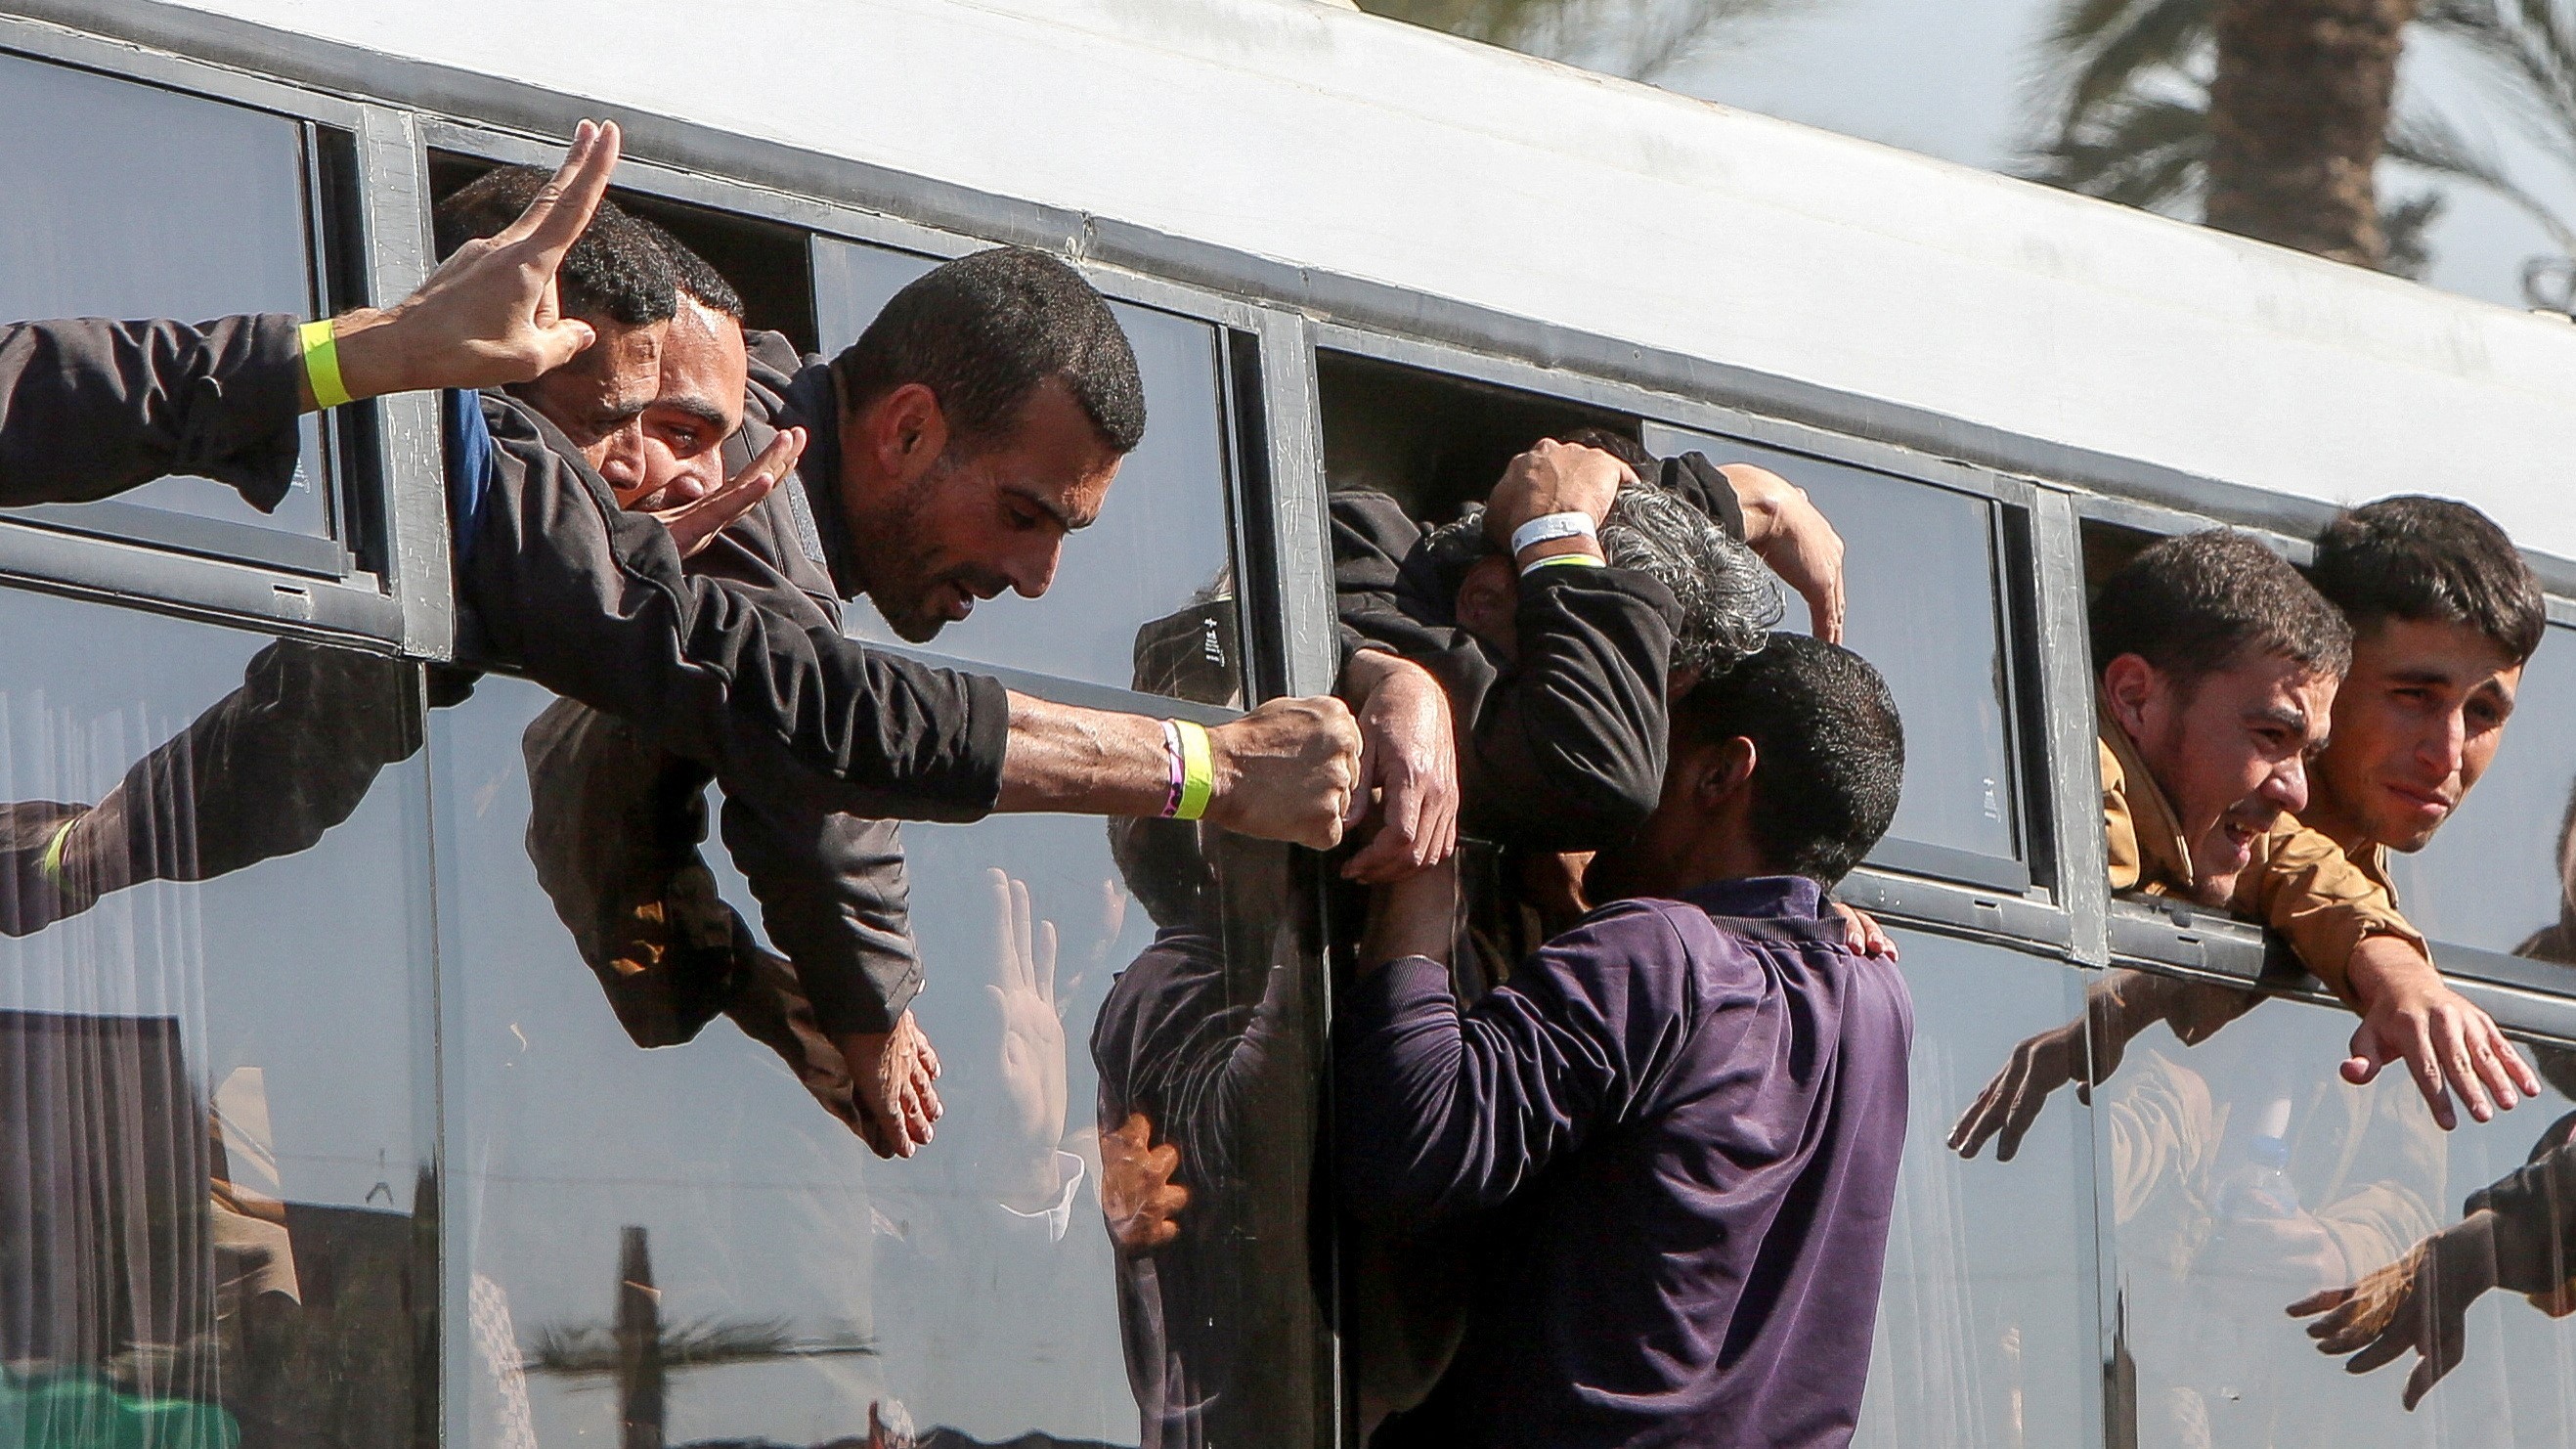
point(342, 1145)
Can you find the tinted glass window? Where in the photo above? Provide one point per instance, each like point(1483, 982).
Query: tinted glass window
point(128, 201)
point(2246, 1176)
point(1110, 1011)
point(1922, 596)
point(2494, 878)
point(214, 950)
point(1985, 1321)
point(1160, 545)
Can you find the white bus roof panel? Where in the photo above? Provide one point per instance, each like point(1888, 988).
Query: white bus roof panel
point(1333, 140)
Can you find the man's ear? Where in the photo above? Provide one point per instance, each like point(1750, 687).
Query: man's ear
point(905, 431)
point(1722, 774)
point(2130, 687)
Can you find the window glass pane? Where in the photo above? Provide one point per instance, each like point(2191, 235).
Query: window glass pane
point(1161, 544)
point(798, 1282)
point(212, 1150)
point(2247, 1175)
point(1986, 1336)
point(129, 201)
point(1921, 601)
point(2492, 878)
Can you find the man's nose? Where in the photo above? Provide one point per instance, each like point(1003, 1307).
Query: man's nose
point(2446, 745)
point(2288, 787)
point(1032, 572)
point(621, 462)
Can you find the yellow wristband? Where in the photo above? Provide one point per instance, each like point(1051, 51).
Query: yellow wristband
point(50, 865)
point(1198, 770)
point(322, 364)
point(1563, 561)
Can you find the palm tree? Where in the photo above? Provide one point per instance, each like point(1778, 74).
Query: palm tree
point(2526, 52)
point(1639, 39)
point(2268, 116)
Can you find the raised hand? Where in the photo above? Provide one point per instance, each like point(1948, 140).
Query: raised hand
point(490, 315)
point(1031, 1059)
point(2010, 1103)
point(694, 524)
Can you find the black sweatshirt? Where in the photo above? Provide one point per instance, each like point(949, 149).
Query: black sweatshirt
point(1562, 749)
point(559, 584)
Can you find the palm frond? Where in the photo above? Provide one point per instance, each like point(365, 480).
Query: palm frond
point(2143, 153)
point(591, 1350)
point(2152, 37)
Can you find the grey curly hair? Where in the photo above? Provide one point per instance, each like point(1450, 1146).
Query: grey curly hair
point(1728, 601)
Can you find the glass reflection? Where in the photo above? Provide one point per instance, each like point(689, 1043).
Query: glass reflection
point(1163, 537)
point(803, 1291)
point(1922, 585)
point(1986, 1333)
point(211, 1214)
point(229, 179)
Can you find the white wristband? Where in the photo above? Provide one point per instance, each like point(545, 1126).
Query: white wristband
point(1551, 526)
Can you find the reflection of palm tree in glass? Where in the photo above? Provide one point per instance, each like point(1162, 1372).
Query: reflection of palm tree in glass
point(639, 1354)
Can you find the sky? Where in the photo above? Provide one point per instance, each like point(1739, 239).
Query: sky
point(1953, 78)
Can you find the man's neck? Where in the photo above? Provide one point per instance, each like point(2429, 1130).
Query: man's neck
point(2327, 816)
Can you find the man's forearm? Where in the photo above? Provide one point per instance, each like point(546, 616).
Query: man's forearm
point(1079, 761)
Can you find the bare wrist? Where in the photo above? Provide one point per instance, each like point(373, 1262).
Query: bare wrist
point(372, 352)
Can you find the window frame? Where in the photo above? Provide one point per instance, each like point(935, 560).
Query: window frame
point(2019, 900)
point(359, 581)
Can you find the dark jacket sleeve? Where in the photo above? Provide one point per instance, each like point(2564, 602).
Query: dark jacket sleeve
point(90, 408)
point(591, 601)
point(1562, 750)
point(1439, 1113)
point(2535, 1208)
point(833, 895)
point(1568, 752)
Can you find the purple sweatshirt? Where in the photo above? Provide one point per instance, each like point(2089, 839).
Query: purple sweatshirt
point(1674, 1138)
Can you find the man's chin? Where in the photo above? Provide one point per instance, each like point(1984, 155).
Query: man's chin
point(915, 628)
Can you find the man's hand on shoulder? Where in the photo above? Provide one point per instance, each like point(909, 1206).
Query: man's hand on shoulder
point(1786, 531)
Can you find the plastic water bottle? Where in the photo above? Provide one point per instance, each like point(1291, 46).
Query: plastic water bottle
point(2259, 1188)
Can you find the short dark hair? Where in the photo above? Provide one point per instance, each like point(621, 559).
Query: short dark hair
point(1828, 750)
point(615, 270)
point(2430, 561)
point(692, 273)
point(2196, 604)
point(982, 333)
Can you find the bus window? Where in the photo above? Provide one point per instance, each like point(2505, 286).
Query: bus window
point(129, 201)
point(1162, 546)
point(214, 933)
point(1922, 601)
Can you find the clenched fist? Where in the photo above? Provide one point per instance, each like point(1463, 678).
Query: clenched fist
point(1286, 771)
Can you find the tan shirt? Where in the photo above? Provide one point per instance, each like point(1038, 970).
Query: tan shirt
point(2323, 900)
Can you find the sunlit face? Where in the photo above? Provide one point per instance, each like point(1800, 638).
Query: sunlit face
point(598, 398)
point(697, 406)
point(2416, 723)
point(976, 520)
point(2230, 753)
